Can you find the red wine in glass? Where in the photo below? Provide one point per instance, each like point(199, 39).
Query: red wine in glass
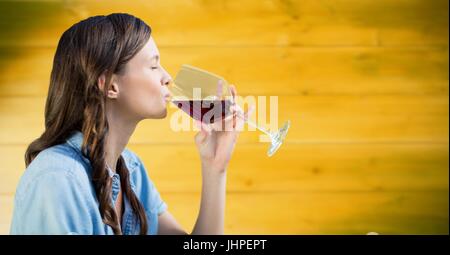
point(213, 110)
point(206, 111)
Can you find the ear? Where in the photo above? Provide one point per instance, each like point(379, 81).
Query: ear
point(113, 90)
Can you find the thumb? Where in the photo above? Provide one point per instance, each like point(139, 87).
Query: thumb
point(200, 137)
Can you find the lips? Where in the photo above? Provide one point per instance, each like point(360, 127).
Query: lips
point(167, 97)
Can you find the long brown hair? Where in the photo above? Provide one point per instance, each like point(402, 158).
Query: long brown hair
point(95, 46)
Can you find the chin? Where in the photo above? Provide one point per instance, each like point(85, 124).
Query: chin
point(164, 114)
point(161, 115)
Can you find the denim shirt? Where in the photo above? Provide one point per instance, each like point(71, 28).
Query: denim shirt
point(56, 195)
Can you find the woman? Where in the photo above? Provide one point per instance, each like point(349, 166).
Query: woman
point(80, 178)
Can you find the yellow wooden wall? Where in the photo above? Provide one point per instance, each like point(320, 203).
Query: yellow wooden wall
point(364, 82)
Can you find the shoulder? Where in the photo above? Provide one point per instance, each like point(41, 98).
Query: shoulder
point(54, 195)
point(57, 167)
point(134, 163)
point(136, 168)
point(131, 159)
point(138, 172)
point(143, 185)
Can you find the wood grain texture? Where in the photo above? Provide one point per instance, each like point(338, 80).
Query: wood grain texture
point(272, 70)
point(248, 22)
point(318, 119)
point(365, 84)
point(297, 168)
point(312, 212)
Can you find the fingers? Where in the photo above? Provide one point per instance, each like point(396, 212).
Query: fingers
point(219, 88)
point(243, 117)
point(235, 119)
point(200, 137)
point(206, 127)
point(249, 112)
point(234, 108)
point(233, 93)
point(230, 121)
point(205, 130)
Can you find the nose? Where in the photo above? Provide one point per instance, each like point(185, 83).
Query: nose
point(166, 78)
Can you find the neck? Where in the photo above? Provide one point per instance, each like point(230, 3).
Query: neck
point(119, 133)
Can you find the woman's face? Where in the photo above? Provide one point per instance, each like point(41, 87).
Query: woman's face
point(142, 88)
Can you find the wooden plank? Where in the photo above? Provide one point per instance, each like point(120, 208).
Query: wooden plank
point(302, 168)
point(315, 119)
point(271, 71)
point(250, 22)
point(6, 211)
point(311, 213)
point(31, 22)
point(295, 168)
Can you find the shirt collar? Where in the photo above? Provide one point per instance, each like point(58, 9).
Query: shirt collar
point(76, 140)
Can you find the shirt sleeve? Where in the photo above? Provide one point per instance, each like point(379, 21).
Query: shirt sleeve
point(53, 203)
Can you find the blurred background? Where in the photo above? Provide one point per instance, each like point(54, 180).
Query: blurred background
point(364, 82)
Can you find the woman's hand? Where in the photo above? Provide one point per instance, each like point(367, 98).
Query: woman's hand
point(215, 142)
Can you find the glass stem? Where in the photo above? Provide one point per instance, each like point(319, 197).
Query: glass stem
point(253, 124)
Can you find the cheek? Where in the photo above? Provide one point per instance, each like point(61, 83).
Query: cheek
point(143, 96)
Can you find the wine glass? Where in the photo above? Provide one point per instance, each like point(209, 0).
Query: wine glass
point(207, 97)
